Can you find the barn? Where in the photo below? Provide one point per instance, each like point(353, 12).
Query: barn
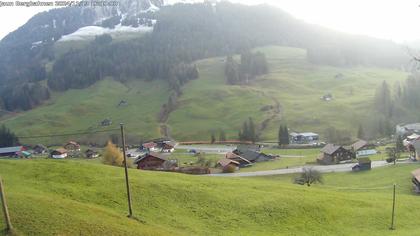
point(332, 153)
point(153, 161)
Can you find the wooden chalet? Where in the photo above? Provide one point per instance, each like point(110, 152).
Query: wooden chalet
point(363, 148)
point(168, 146)
point(59, 153)
point(224, 163)
point(252, 153)
point(332, 153)
point(416, 181)
point(242, 161)
point(150, 147)
point(40, 149)
point(72, 146)
point(153, 161)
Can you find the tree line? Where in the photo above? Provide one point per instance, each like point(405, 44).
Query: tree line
point(251, 66)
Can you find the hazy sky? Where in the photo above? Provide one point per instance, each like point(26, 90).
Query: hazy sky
point(388, 19)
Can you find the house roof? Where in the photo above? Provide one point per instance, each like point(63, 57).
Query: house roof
point(73, 143)
point(359, 144)
point(305, 134)
point(330, 148)
point(250, 155)
point(10, 149)
point(231, 155)
point(40, 146)
point(416, 174)
point(170, 143)
point(149, 145)
point(153, 154)
point(60, 150)
point(226, 162)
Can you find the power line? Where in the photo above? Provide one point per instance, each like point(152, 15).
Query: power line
point(67, 134)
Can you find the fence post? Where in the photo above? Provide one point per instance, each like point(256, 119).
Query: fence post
point(4, 204)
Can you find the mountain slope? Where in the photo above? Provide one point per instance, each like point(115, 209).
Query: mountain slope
point(208, 105)
point(77, 197)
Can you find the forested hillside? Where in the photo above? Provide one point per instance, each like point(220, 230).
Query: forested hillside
point(183, 33)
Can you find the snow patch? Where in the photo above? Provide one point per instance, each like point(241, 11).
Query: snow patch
point(89, 32)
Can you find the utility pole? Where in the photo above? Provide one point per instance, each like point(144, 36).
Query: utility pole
point(393, 211)
point(130, 211)
point(4, 204)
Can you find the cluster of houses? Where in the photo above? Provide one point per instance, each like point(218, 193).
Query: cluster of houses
point(333, 154)
point(69, 149)
point(243, 156)
point(160, 145)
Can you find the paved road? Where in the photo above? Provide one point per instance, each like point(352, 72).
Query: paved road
point(323, 169)
point(222, 149)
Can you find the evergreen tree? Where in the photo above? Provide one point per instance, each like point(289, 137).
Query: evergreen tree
point(360, 132)
point(252, 132)
point(7, 137)
point(212, 138)
point(383, 100)
point(283, 135)
point(222, 136)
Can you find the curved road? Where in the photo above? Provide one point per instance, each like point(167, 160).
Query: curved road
point(323, 169)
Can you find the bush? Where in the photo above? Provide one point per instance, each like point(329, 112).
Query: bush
point(112, 155)
point(229, 169)
point(309, 176)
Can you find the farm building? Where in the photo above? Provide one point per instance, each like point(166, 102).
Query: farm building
point(304, 138)
point(242, 161)
point(72, 146)
point(90, 153)
point(364, 164)
point(11, 151)
point(247, 147)
point(59, 153)
point(332, 153)
point(153, 161)
point(150, 147)
point(224, 163)
point(407, 129)
point(363, 148)
point(168, 146)
point(40, 149)
point(416, 180)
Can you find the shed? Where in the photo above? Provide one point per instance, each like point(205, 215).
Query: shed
point(10, 151)
point(364, 164)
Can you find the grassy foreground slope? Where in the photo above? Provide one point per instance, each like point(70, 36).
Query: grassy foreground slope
point(48, 197)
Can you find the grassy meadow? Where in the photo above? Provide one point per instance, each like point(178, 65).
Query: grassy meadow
point(66, 197)
point(208, 105)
